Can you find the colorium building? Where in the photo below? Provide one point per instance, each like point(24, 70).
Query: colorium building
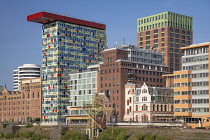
point(69, 45)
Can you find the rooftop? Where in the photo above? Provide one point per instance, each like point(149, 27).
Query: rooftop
point(45, 17)
point(195, 45)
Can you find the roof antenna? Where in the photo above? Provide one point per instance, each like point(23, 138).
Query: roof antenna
point(124, 42)
point(116, 44)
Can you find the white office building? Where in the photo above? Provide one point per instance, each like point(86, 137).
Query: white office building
point(24, 72)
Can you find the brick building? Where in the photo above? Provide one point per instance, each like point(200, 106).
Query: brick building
point(128, 64)
point(18, 106)
point(165, 32)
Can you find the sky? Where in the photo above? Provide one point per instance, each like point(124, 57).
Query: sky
point(20, 40)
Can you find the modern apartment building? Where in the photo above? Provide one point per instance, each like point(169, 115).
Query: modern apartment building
point(165, 32)
point(191, 86)
point(148, 104)
point(25, 72)
point(69, 45)
point(83, 87)
point(128, 64)
point(19, 106)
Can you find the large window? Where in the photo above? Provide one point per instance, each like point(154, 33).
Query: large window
point(177, 110)
point(144, 107)
point(176, 101)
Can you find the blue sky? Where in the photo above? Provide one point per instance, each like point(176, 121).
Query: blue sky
point(20, 41)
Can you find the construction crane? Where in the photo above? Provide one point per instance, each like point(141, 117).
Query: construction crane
point(96, 111)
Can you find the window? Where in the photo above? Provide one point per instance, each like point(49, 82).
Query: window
point(172, 29)
point(163, 29)
point(137, 108)
point(144, 107)
point(177, 45)
point(141, 38)
point(183, 41)
point(177, 30)
point(141, 34)
point(147, 32)
point(177, 35)
point(156, 36)
point(141, 43)
point(185, 92)
point(163, 34)
point(155, 45)
point(156, 41)
point(177, 109)
point(177, 93)
point(156, 31)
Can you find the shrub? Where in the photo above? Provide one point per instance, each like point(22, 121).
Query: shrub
point(9, 136)
point(4, 125)
point(149, 137)
point(29, 125)
point(113, 134)
point(140, 136)
point(74, 135)
point(161, 138)
point(38, 137)
point(26, 134)
point(37, 119)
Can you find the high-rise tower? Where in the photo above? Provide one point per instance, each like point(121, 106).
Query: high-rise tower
point(69, 45)
point(166, 32)
point(25, 72)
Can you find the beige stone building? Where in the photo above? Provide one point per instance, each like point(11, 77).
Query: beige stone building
point(18, 106)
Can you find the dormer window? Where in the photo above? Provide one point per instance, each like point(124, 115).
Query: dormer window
point(144, 91)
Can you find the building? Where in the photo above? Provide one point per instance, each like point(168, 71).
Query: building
point(69, 45)
point(165, 32)
point(148, 104)
point(83, 86)
point(191, 86)
point(124, 64)
point(25, 72)
point(19, 106)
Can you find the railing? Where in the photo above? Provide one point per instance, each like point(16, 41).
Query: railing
point(144, 124)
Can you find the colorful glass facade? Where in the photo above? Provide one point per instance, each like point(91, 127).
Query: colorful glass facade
point(67, 48)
